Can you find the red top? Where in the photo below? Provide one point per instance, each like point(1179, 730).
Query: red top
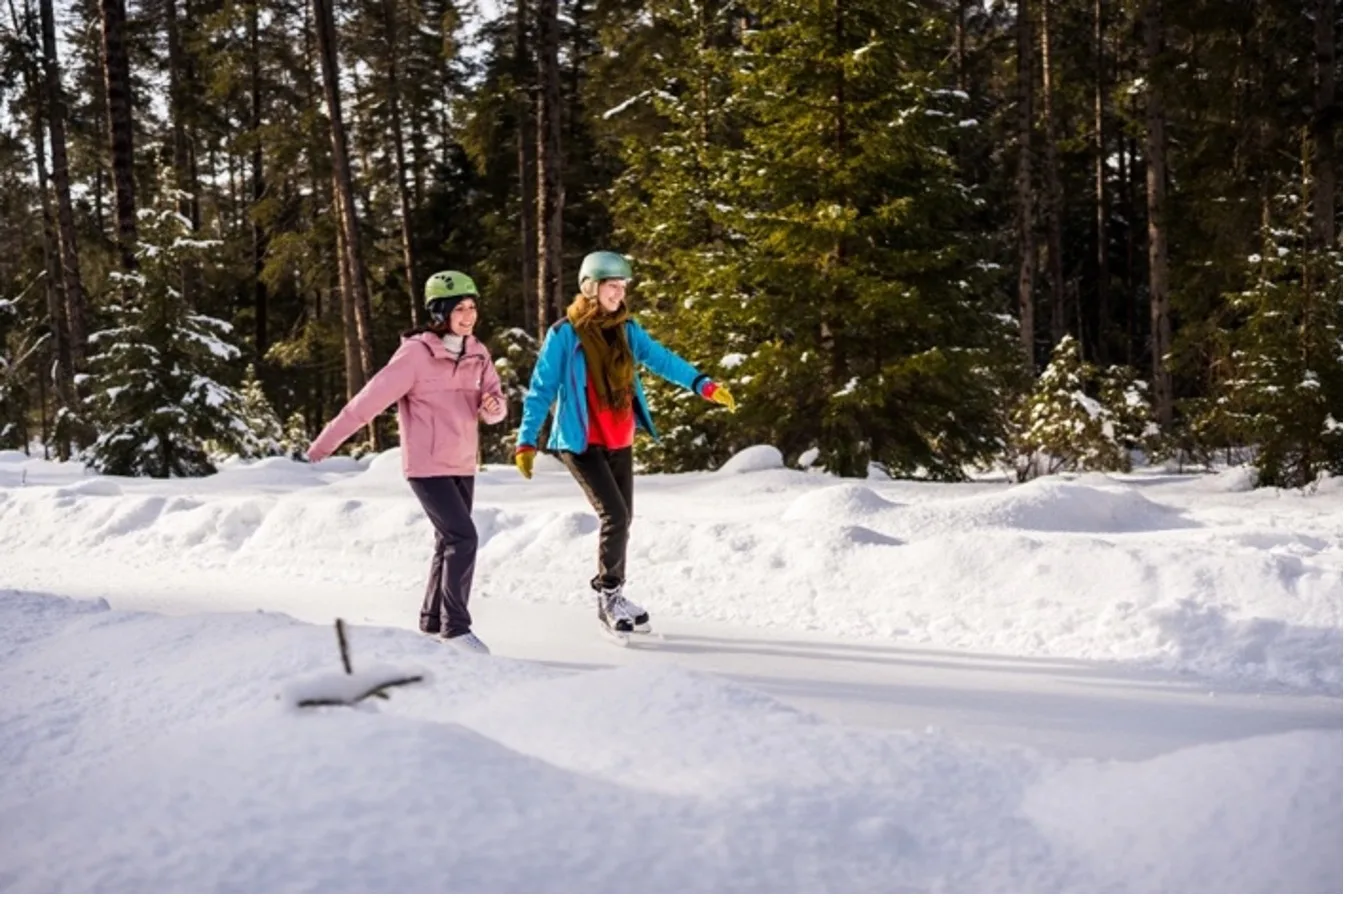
point(609, 427)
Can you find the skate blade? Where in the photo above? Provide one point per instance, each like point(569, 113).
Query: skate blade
point(617, 638)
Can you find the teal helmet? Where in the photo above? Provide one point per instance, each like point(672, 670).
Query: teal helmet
point(602, 266)
point(444, 289)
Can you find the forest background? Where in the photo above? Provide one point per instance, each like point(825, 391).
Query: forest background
point(913, 236)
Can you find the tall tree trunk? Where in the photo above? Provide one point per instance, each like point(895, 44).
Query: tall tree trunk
point(117, 84)
point(400, 158)
point(416, 121)
point(345, 191)
point(63, 381)
point(1024, 186)
point(1131, 162)
point(551, 194)
point(193, 92)
point(177, 107)
point(575, 112)
point(1052, 185)
point(178, 111)
point(961, 46)
point(847, 464)
point(1327, 118)
point(350, 337)
point(524, 71)
point(76, 306)
point(261, 339)
point(1157, 248)
point(1101, 192)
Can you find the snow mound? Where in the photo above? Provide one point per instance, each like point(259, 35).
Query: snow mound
point(94, 486)
point(1240, 479)
point(568, 526)
point(384, 467)
point(754, 458)
point(1204, 636)
point(839, 505)
point(1057, 505)
point(13, 457)
point(275, 471)
point(607, 723)
point(1138, 811)
point(596, 781)
point(340, 464)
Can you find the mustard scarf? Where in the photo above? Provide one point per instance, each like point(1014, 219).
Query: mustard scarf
point(603, 337)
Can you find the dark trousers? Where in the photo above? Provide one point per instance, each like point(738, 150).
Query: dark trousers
point(605, 476)
point(448, 504)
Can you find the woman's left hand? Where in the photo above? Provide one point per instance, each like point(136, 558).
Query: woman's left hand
point(714, 392)
point(491, 404)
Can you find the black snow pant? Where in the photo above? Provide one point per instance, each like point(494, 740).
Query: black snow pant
point(448, 504)
point(605, 476)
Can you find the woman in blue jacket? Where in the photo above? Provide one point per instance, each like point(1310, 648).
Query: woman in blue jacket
point(587, 365)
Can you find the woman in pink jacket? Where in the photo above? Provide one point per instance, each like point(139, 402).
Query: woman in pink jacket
point(443, 381)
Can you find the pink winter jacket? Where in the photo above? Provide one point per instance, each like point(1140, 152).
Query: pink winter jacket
point(439, 401)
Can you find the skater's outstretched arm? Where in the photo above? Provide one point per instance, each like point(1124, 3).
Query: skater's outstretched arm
point(659, 359)
point(385, 388)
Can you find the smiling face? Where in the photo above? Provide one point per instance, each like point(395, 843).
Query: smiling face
point(611, 293)
point(464, 317)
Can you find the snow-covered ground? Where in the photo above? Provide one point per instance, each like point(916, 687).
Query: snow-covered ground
point(1100, 683)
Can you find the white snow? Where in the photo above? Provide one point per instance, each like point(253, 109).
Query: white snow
point(1079, 684)
point(754, 458)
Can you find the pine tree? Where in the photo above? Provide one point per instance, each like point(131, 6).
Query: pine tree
point(676, 123)
point(263, 436)
point(1283, 390)
point(154, 391)
point(844, 286)
point(1079, 418)
point(296, 440)
point(20, 346)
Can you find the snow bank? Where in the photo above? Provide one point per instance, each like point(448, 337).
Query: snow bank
point(122, 732)
point(264, 473)
point(1244, 587)
point(1138, 811)
point(754, 458)
point(838, 505)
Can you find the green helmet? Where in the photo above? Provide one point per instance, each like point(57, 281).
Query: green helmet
point(603, 265)
point(448, 285)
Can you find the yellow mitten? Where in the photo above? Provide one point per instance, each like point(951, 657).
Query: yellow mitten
point(718, 394)
point(523, 460)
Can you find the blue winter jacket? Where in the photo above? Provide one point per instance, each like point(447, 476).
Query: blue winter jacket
point(561, 375)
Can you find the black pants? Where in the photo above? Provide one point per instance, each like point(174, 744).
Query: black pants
point(448, 504)
point(605, 476)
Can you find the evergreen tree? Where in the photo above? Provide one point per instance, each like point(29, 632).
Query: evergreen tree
point(847, 289)
point(1079, 418)
point(154, 390)
point(263, 436)
point(669, 100)
point(296, 440)
point(20, 346)
point(1283, 390)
